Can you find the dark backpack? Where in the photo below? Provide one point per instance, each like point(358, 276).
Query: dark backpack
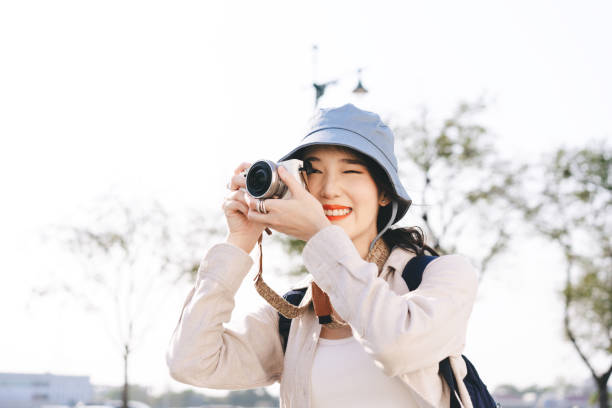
point(413, 274)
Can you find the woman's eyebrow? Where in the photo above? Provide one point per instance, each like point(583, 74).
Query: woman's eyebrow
point(353, 161)
point(311, 158)
point(345, 160)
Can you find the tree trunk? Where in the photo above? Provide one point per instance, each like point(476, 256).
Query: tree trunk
point(124, 396)
point(600, 381)
point(602, 389)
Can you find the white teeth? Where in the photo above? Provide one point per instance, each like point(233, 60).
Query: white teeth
point(335, 213)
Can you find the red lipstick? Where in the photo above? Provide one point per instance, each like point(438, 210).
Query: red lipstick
point(334, 207)
point(329, 207)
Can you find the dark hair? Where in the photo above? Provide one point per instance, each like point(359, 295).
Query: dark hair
point(411, 238)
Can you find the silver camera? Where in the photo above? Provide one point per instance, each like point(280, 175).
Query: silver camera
point(262, 180)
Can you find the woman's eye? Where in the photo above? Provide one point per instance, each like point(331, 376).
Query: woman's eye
point(313, 170)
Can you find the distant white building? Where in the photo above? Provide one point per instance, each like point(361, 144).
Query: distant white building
point(37, 390)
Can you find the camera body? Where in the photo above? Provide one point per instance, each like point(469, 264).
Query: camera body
point(262, 180)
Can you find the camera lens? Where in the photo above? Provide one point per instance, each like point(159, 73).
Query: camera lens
point(259, 179)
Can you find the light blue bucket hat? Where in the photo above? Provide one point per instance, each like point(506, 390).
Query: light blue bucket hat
point(365, 132)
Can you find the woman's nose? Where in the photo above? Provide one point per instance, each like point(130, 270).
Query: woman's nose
point(330, 187)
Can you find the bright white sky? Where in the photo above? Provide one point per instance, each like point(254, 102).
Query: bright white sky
point(163, 99)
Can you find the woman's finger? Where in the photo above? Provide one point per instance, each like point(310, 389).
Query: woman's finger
point(270, 204)
point(242, 166)
point(237, 181)
point(234, 205)
point(255, 216)
point(251, 202)
point(237, 195)
point(294, 185)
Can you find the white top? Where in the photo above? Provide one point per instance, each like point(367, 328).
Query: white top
point(344, 375)
point(407, 333)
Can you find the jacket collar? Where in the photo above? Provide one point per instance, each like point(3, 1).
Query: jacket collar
point(397, 260)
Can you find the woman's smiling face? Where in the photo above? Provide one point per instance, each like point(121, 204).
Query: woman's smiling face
point(343, 185)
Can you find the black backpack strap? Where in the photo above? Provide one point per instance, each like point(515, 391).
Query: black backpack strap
point(480, 396)
point(413, 271)
point(476, 388)
point(413, 275)
point(446, 371)
point(294, 297)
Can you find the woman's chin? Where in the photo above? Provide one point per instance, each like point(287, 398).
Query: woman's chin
point(344, 226)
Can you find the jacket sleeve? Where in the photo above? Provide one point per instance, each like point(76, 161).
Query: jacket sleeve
point(205, 353)
point(403, 333)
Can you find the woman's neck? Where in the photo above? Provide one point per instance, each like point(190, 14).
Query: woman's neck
point(363, 246)
point(362, 249)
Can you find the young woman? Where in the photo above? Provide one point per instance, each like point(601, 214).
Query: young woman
point(382, 344)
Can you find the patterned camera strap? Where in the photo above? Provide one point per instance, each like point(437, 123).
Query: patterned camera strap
point(322, 305)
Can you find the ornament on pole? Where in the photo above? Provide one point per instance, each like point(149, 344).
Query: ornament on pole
point(359, 89)
point(320, 87)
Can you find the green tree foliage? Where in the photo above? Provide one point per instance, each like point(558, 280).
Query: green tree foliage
point(571, 206)
point(294, 248)
point(132, 256)
point(466, 188)
point(462, 180)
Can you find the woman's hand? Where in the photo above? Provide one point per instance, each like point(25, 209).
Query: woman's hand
point(300, 216)
point(243, 232)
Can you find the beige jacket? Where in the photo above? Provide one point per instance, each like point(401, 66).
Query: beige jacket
point(406, 333)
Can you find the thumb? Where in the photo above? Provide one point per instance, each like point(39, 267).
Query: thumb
point(290, 181)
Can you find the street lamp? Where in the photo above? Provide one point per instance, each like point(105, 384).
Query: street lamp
point(359, 89)
point(320, 87)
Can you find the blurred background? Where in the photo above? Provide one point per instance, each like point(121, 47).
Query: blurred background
point(121, 123)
